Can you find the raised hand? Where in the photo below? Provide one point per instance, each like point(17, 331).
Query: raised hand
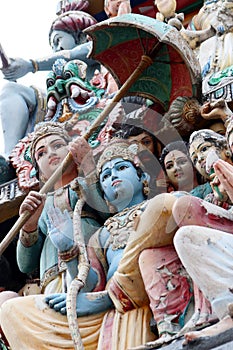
point(34, 203)
point(82, 154)
point(60, 229)
point(18, 68)
point(224, 172)
point(215, 110)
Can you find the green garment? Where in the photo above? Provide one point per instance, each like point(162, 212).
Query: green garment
point(201, 191)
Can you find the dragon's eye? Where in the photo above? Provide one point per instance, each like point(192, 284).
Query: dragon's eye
point(50, 82)
point(68, 74)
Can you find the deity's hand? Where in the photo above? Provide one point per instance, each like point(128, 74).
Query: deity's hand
point(215, 110)
point(219, 192)
point(33, 203)
point(57, 302)
point(82, 154)
point(18, 68)
point(86, 303)
point(224, 172)
point(60, 229)
point(124, 8)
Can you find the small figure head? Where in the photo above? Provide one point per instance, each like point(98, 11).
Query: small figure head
point(201, 142)
point(48, 148)
point(66, 31)
point(178, 166)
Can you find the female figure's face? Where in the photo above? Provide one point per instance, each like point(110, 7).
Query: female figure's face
point(145, 140)
point(61, 40)
point(199, 150)
point(49, 154)
point(179, 169)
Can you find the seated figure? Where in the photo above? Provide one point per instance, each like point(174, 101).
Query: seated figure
point(160, 267)
point(115, 297)
point(125, 283)
point(35, 251)
point(211, 246)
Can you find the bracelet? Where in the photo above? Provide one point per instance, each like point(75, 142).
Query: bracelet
point(35, 66)
point(91, 178)
point(28, 238)
point(69, 255)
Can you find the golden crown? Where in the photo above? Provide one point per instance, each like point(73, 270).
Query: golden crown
point(119, 149)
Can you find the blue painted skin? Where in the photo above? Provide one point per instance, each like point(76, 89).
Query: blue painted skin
point(123, 188)
point(121, 184)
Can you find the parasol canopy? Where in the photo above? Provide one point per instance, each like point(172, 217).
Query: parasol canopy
point(120, 43)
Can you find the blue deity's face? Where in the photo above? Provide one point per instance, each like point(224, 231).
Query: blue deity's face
point(120, 182)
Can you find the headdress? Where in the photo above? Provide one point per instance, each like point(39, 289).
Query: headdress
point(119, 149)
point(72, 22)
point(45, 129)
point(209, 135)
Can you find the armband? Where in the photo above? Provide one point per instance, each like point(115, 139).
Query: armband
point(28, 238)
point(35, 66)
point(91, 178)
point(69, 255)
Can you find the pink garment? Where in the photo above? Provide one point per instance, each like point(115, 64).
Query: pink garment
point(189, 210)
point(166, 282)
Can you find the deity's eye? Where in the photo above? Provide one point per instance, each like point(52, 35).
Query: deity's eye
point(204, 148)
point(50, 82)
point(105, 176)
point(122, 167)
point(168, 166)
point(68, 74)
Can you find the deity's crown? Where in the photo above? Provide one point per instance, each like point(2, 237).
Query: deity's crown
point(45, 129)
point(119, 148)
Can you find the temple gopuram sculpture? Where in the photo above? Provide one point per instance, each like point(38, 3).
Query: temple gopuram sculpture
point(130, 73)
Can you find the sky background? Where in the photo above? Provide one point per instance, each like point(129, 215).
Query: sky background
point(24, 28)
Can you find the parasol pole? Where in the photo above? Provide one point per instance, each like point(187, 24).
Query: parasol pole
point(145, 62)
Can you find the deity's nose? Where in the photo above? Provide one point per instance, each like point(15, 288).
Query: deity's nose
point(176, 166)
point(113, 174)
point(200, 158)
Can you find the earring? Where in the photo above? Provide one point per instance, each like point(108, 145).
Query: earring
point(228, 153)
point(146, 189)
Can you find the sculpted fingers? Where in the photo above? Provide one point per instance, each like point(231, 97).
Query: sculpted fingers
point(32, 202)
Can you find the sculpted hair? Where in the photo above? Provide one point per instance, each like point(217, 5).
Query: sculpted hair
point(216, 139)
point(72, 22)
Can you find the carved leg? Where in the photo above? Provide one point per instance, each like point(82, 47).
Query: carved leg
point(213, 250)
point(168, 288)
point(189, 210)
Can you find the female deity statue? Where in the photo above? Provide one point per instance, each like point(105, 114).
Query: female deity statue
point(178, 167)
